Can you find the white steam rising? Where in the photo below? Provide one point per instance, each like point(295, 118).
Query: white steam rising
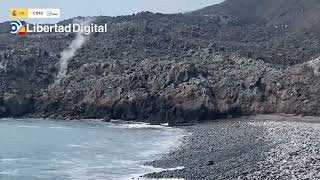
point(315, 65)
point(3, 66)
point(69, 52)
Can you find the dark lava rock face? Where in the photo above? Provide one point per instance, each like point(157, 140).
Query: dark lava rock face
point(158, 68)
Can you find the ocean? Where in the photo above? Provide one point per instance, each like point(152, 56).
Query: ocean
point(37, 149)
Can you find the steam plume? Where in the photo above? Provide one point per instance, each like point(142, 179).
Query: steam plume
point(315, 65)
point(69, 52)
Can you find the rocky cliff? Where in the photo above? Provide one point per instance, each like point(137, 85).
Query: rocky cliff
point(164, 68)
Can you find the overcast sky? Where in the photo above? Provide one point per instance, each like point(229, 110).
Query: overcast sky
point(72, 8)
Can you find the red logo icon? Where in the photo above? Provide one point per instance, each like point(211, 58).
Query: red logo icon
point(14, 13)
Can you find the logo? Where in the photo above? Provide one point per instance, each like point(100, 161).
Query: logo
point(44, 13)
point(25, 13)
point(18, 27)
point(18, 13)
point(14, 13)
point(21, 28)
point(49, 13)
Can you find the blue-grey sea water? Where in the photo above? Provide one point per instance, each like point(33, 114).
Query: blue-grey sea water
point(34, 149)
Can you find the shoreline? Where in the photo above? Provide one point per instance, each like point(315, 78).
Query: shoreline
point(145, 142)
point(246, 147)
point(262, 146)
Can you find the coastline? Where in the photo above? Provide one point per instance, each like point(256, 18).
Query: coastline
point(272, 146)
point(109, 145)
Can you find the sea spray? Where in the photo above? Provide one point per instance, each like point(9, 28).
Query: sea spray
point(69, 52)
